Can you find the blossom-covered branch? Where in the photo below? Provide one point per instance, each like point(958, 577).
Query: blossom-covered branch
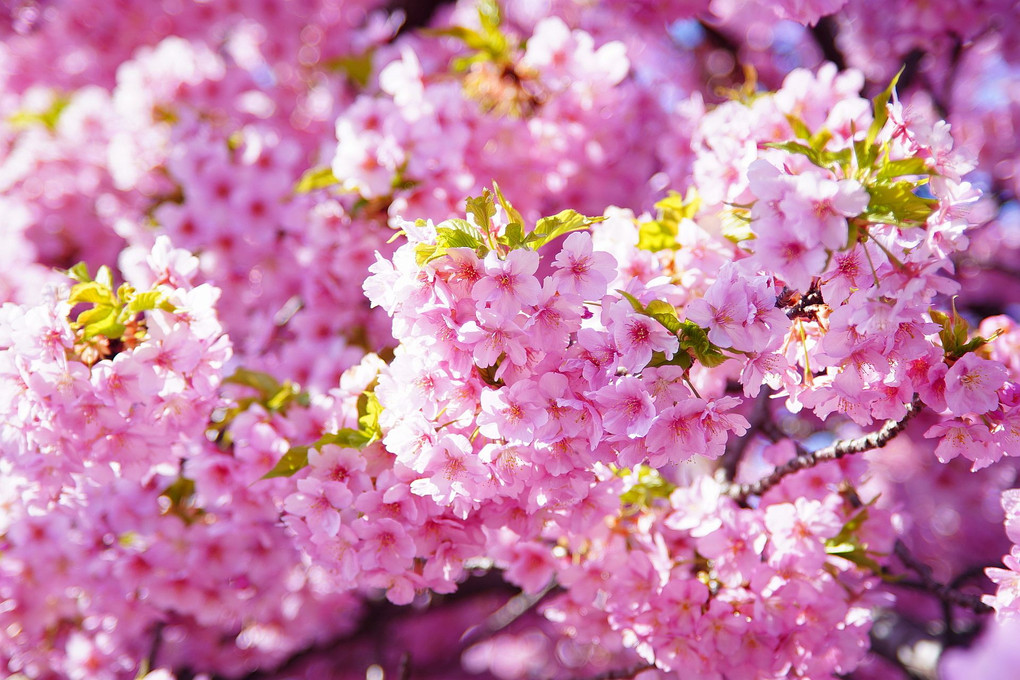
point(807, 459)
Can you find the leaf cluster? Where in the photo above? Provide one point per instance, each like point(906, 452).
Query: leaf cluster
point(955, 333)
point(481, 235)
point(895, 187)
point(296, 458)
point(487, 44)
point(649, 487)
point(110, 312)
point(848, 545)
point(694, 342)
point(660, 233)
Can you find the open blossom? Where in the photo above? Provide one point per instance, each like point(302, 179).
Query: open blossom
point(627, 407)
point(972, 383)
point(509, 284)
point(581, 270)
point(1008, 581)
point(638, 337)
point(453, 473)
point(678, 432)
point(512, 412)
point(967, 437)
point(725, 310)
point(818, 207)
point(524, 420)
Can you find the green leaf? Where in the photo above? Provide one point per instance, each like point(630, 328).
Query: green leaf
point(316, 178)
point(143, 302)
point(296, 457)
point(796, 148)
point(649, 487)
point(482, 209)
point(848, 530)
point(817, 153)
point(92, 292)
point(452, 233)
point(456, 233)
point(682, 359)
point(896, 203)
point(800, 129)
point(101, 320)
point(511, 213)
point(846, 543)
point(657, 235)
point(905, 166)
point(80, 273)
point(425, 253)
point(283, 397)
point(564, 222)
point(369, 410)
point(470, 37)
point(736, 225)
point(294, 460)
point(820, 139)
point(514, 235)
point(47, 118)
point(881, 112)
point(357, 67)
point(265, 384)
point(346, 438)
point(489, 15)
point(179, 491)
point(675, 208)
point(664, 313)
point(694, 338)
point(634, 302)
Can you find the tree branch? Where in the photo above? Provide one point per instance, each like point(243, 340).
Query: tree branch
point(947, 594)
point(621, 674)
point(797, 305)
point(735, 447)
point(824, 33)
point(516, 607)
point(808, 459)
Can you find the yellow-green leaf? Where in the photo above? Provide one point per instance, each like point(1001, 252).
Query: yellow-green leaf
point(316, 178)
point(295, 459)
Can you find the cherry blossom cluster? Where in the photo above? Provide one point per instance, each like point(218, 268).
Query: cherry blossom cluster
point(717, 366)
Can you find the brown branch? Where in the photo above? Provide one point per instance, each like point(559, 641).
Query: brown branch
point(417, 13)
point(808, 459)
point(735, 447)
point(516, 607)
point(797, 305)
point(824, 32)
point(947, 594)
point(620, 674)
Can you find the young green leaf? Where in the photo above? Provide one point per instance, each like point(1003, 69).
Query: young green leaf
point(369, 410)
point(554, 226)
point(511, 213)
point(294, 460)
point(657, 235)
point(316, 178)
point(881, 111)
point(482, 209)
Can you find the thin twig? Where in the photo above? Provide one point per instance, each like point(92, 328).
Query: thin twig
point(824, 32)
point(516, 607)
point(404, 670)
point(797, 305)
point(736, 446)
point(621, 673)
point(808, 459)
point(945, 593)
